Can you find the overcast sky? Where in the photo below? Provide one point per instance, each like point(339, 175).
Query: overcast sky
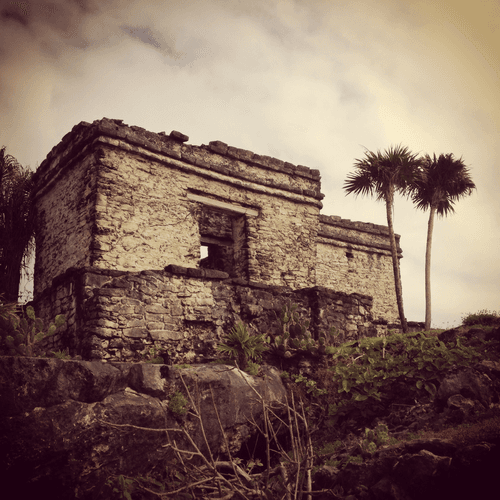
point(309, 82)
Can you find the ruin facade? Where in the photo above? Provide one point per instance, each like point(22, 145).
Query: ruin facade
point(143, 239)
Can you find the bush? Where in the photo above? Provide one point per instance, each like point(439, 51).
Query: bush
point(371, 372)
point(483, 317)
point(20, 334)
point(245, 348)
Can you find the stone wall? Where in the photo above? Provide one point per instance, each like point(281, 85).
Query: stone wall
point(129, 199)
point(120, 315)
point(355, 257)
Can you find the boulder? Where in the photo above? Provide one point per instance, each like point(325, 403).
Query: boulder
point(67, 426)
point(470, 383)
point(420, 473)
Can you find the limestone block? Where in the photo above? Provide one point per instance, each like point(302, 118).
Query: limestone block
point(156, 309)
point(135, 332)
point(136, 323)
point(166, 334)
point(104, 332)
point(155, 325)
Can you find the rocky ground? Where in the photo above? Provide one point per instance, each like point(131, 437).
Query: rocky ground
point(445, 448)
point(69, 427)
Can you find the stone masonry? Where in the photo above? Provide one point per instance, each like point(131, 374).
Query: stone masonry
point(145, 240)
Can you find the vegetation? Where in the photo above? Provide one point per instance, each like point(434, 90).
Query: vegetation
point(446, 179)
point(483, 317)
point(295, 334)
point(154, 356)
point(285, 473)
point(177, 404)
point(357, 381)
point(372, 372)
point(17, 223)
point(382, 175)
point(21, 334)
point(243, 347)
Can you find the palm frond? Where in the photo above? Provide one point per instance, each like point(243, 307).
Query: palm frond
point(446, 179)
point(381, 173)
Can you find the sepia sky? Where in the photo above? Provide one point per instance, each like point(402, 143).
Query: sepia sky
point(312, 82)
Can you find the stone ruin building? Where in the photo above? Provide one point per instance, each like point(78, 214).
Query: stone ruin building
point(144, 240)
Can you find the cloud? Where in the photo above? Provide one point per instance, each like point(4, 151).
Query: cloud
point(311, 82)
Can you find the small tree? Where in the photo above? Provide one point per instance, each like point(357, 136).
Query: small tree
point(446, 180)
point(382, 175)
point(17, 223)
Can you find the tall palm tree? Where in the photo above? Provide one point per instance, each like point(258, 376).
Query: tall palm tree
point(16, 223)
point(382, 175)
point(446, 180)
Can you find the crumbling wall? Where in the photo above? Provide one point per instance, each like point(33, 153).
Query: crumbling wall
point(120, 315)
point(355, 257)
point(65, 221)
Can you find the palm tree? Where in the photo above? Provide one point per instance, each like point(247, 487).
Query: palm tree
point(446, 180)
point(16, 223)
point(384, 174)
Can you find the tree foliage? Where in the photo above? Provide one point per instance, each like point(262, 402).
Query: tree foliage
point(17, 223)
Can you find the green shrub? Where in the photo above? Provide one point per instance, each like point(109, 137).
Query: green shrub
point(61, 354)
point(154, 357)
point(178, 403)
point(295, 333)
point(483, 317)
point(243, 347)
point(20, 334)
point(374, 438)
point(369, 372)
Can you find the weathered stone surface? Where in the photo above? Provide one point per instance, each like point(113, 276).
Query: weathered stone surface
point(66, 426)
point(418, 472)
point(470, 384)
point(386, 489)
point(119, 316)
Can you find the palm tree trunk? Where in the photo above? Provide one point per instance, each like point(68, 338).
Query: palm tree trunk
point(430, 228)
point(395, 262)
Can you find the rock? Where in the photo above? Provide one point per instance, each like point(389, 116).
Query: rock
point(386, 489)
point(475, 454)
point(420, 473)
point(67, 426)
point(325, 477)
point(460, 407)
point(437, 446)
point(470, 383)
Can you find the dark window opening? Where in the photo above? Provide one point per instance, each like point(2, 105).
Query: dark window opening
point(218, 255)
point(223, 242)
point(349, 255)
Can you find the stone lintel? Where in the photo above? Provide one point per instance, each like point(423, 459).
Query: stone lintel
point(222, 205)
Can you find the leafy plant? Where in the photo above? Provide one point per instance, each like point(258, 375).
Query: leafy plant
point(368, 372)
point(154, 356)
point(21, 333)
point(310, 385)
point(330, 448)
point(61, 354)
point(121, 486)
point(374, 438)
point(483, 317)
point(178, 403)
point(243, 347)
point(295, 333)
point(252, 368)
